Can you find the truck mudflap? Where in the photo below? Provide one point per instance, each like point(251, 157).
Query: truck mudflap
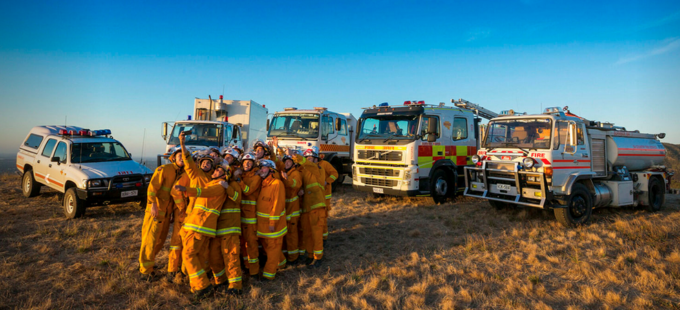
point(503, 181)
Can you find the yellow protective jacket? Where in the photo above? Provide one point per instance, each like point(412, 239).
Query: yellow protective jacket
point(271, 209)
point(180, 198)
point(330, 174)
point(293, 185)
point(315, 169)
point(160, 187)
point(250, 184)
point(206, 210)
point(314, 196)
point(229, 220)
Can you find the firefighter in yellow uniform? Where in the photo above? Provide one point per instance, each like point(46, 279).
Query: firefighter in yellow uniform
point(201, 223)
point(331, 175)
point(179, 213)
point(250, 184)
point(225, 247)
point(157, 216)
point(271, 217)
point(313, 211)
point(292, 180)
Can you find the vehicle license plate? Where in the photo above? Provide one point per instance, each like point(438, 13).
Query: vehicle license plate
point(128, 194)
point(378, 190)
point(504, 187)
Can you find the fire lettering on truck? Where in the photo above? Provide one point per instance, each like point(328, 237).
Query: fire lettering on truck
point(124, 172)
point(538, 155)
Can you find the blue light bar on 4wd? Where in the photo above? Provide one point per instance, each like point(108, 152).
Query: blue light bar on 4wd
point(384, 104)
point(101, 132)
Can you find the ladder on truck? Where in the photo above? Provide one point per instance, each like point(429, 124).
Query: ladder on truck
point(479, 110)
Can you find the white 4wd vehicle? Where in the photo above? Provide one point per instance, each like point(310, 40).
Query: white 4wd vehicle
point(89, 167)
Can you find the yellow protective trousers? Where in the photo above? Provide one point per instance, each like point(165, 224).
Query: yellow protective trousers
point(291, 240)
point(249, 248)
point(224, 260)
point(154, 233)
point(312, 230)
point(328, 209)
point(272, 246)
point(175, 255)
point(193, 244)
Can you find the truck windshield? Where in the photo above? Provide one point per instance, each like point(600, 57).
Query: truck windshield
point(399, 127)
point(98, 152)
point(521, 133)
point(295, 125)
point(201, 134)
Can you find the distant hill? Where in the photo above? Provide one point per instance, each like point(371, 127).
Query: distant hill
point(672, 161)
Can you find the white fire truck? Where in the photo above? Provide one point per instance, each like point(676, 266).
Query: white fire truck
point(330, 131)
point(416, 149)
point(557, 160)
point(218, 123)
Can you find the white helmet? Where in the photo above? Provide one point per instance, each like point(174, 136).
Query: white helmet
point(268, 163)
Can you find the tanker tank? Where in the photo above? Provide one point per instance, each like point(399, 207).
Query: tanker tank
point(635, 153)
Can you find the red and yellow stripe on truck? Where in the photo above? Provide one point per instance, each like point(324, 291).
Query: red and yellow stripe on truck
point(458, 154)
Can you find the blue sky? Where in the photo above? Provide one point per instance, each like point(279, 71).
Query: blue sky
point(129, 66)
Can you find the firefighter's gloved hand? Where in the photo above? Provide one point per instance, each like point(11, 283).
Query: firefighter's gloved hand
point(301, 192)
point(180, 188)
point(154, 210)
point(224, 184)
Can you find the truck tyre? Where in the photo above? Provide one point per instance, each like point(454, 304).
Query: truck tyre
point(498, 205)
point(29, 187)
point(74, 207)
point(441, 186)
point(579, 207)
point(656, 194)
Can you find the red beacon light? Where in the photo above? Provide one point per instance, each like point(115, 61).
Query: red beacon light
point(408, 102)
point(421, 102)
point(63, 131)
point(72, 132)
point(84, 132)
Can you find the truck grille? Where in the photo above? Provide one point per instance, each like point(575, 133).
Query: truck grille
point(126, 181)
point(380, 172)
point(379, 182)
point(380, 155)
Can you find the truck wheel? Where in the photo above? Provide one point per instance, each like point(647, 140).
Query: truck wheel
point(498, 205)
point(656, 194)
point(440, 187)
point(29, 186)
point(579, 207)
point(74, 207)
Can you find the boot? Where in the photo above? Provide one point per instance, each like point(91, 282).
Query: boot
point(315, 263)
point(234, 292)
point(203, 294)
point(148, 277)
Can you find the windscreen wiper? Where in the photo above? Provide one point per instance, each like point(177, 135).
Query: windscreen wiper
point(389, 138)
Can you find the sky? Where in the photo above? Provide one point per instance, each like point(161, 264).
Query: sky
point(128, 66)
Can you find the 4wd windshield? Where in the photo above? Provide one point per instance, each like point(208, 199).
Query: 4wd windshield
point(201, 134)
point(98, 152)
point(520, 133)
point(399, 127)
point(303, 125)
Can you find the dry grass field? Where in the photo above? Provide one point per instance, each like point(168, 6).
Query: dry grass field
point(383, 254)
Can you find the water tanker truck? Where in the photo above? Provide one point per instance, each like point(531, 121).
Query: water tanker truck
point(560, 161)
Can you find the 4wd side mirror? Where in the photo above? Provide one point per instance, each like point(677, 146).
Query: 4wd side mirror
point(165, 130)
point(337, 124)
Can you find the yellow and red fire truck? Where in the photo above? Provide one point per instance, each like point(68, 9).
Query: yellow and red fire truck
point(416, 149)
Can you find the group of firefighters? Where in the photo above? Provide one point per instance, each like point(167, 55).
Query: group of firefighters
point(231, 210)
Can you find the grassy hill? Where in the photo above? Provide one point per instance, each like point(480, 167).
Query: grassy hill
point(672, 161)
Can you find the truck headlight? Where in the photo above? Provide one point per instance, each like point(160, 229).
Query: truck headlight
point(355, 173)
point(528, 162)
point(407, 175)
point(475, 159)
point(97, 183)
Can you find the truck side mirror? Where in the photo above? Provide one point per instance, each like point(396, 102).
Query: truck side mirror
point(165, 130)
point(570, 147)
point(432, 127)
point(337, 124)
point(358, 126)
point(431, 137)
point(267, 125)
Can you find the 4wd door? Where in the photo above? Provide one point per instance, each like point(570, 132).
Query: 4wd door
point(55, 174)
point(42, 161)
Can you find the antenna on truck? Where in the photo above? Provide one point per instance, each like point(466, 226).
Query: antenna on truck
point(141, 158)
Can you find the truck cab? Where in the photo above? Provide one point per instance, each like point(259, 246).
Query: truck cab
point(414, 149)
point(330, 131)
point(88, 166)
point(217, 123)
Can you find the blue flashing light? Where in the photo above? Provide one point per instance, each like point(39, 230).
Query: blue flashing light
point(188, 117)
point(384, 104)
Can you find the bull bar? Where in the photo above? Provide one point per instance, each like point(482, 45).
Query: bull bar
point(515, 194)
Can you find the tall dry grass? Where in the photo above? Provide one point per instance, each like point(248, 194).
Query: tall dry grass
point(390, 253)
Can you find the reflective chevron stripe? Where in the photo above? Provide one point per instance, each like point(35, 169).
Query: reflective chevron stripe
point(292, 199)
point(165, 188)
point(268, 275)
point(333, 177)
point(292, 215)
point(200, 229)
point(228, 230)
point(328, 196)
point(233, 280)
point(200, 272)
point(202, 208)
point(221, 273)
point(175, 248)
point(271, 217)
point(235, 196)
point(230, 210)
point(198, 192)
point(318, 205)
point(248, 202)
point(245, 190)
point(276, 234)
point(248, 220)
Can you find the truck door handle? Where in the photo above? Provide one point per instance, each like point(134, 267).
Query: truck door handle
point(38, 160)
point(50, 166)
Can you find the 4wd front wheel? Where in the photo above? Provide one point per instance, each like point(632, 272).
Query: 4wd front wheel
point(74, 207)
point(579, 207)
point(29, 187)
